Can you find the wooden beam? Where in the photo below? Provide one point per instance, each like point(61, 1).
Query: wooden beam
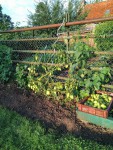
point(61, 78)
point(35, 39)
point(108, 86)
point(43, 51)
point(37, 63)
point(103, 52)
point(104, 92)
point(36, 51)
point(96, 68)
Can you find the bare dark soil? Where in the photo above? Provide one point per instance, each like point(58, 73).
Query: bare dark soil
point(51, 114)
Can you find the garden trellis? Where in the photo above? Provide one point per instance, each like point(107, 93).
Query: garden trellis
point(59, 62)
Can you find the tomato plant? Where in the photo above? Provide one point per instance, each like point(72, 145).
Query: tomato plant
point(99, 101)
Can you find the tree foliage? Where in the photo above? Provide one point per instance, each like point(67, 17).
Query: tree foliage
point(57, 12)
point(41, 16)
point(95, 1)
point(74, 9)
point(5, 21)
point(49, 12)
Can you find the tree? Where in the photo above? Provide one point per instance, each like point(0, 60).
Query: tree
point(73, 9)
point(57, 12)
point(53, 12)
point(5, 21)
point(46, 13)
point(41, 16)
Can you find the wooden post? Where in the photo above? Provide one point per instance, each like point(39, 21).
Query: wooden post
point(33, 33)
point(68, 40)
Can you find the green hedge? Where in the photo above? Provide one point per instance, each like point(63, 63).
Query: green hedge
point(103, 29)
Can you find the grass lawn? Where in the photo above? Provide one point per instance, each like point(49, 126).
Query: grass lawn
point(19, 133)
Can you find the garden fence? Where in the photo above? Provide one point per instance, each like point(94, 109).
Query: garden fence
point(28, 42)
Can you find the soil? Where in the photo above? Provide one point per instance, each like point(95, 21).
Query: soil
point(51, 114)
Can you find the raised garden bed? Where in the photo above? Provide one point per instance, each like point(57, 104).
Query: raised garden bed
point(94, 111)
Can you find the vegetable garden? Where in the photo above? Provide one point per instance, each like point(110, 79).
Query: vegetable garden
point(65, 68)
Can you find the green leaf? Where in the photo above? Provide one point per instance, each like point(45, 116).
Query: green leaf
point(88, 83)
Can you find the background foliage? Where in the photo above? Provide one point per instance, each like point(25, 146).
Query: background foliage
point(5, 21)
point(103, 30)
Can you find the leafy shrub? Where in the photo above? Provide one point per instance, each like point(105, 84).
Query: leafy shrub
point(5, 63)
point(103, 30)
